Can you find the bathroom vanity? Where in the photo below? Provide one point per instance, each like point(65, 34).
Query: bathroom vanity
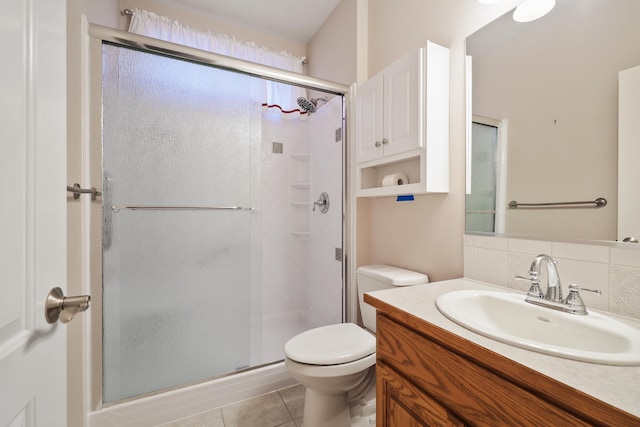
point(431, 371)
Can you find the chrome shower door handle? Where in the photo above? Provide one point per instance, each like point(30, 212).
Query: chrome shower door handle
point(58, 307)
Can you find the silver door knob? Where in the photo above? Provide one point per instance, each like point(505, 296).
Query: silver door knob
point(57, 306)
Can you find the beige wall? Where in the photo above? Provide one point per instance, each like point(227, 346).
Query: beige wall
point(560, 100)
point(103, 12)
point(425, 235)
point(331, 50)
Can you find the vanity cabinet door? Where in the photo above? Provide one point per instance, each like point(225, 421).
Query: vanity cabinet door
point(402, 404)
point(444, 383)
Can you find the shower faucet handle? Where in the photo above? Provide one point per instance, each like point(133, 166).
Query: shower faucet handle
point(322, 202)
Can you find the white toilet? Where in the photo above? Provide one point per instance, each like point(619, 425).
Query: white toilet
point(336, 363)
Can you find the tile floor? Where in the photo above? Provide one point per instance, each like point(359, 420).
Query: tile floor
point(282, 408)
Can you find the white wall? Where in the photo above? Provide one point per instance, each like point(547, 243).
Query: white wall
point(324, 272)
point(284, 256)
point(301, 280)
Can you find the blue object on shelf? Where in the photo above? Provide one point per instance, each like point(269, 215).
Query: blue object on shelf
point(405, 198)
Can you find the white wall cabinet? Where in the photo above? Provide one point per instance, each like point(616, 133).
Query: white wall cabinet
point(388, 109)
point(402, 125)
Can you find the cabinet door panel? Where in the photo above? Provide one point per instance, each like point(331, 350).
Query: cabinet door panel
point(369, 120)
point(403, 104)
point(402, 404)
point(474, 393)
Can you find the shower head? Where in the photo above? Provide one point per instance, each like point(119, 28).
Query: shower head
point(310, 105)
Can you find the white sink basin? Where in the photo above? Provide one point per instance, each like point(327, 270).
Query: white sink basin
point(506, 317)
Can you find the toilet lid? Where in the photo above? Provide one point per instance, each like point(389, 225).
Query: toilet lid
point(331, 345)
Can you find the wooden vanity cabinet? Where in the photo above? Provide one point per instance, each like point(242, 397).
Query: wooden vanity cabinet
point(402, 404)
point(427, 376)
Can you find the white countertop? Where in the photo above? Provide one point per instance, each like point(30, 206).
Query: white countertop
point(617, 385)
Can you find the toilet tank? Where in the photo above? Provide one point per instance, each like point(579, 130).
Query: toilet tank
point(378, 277)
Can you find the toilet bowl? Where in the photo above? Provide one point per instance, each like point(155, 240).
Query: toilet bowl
point(336, 363)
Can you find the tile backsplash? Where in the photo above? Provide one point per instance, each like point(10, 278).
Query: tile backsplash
point(612, 269)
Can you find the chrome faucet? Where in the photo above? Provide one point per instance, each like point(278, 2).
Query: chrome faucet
point(554, 287)
point(552, 298)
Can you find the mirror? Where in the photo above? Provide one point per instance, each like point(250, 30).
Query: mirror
point(549, 89)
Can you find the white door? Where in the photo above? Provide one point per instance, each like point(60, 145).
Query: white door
point(629, 154)
point(33, 214)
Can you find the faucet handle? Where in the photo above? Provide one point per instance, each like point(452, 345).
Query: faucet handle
point(574, 300)
point(534, 290)
point(574, 287)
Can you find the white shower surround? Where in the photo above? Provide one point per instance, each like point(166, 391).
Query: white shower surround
point(301, 279)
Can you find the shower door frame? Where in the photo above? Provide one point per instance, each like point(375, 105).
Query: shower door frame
point(87, 354)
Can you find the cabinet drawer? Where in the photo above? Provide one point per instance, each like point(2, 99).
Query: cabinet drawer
point(472, 393)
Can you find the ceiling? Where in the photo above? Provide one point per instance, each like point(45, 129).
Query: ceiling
point(295, 20)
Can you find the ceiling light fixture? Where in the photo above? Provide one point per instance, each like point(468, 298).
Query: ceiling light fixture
point(530, 10)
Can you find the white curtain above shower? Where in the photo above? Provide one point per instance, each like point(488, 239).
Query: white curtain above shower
point(277, 95)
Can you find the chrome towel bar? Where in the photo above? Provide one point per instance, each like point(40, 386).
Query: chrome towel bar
point(77, 191)
point(597, 203)
point(182, 208)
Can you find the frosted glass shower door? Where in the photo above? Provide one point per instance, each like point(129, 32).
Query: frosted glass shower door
point(177, 283)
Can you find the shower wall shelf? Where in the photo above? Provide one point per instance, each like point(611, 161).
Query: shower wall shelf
point(402, 125)
point(300, 203)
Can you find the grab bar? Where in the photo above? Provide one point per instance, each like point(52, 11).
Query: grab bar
point(182, 208)
point(77, 191)
point(597, 203)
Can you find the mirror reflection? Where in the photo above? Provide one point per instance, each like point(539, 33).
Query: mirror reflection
point(545, 121)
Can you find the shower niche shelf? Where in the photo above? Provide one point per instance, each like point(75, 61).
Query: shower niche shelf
point(402, 125)
point(300, 203)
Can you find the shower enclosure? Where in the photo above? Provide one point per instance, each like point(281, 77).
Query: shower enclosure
point(212, 255)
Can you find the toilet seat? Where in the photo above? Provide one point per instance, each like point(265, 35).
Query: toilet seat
point(331, 345)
